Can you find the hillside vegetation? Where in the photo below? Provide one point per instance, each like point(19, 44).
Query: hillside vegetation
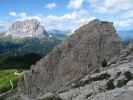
point(18, 55)
point(8, 80)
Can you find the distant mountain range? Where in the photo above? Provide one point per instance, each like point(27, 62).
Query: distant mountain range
point(27, 28)
point(126, 36)
point(31, 49)
point(33, 28)
point(58, 34)
point(26, 40)
point(29, 34)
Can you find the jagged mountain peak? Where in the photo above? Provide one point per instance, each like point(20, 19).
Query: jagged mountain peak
point(27, 28)
point(97, 24)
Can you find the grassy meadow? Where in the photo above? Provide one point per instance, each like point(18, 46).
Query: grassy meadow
point(8, 80)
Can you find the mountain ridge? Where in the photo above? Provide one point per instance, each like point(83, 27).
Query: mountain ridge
point(27, 28)
point(82, 53)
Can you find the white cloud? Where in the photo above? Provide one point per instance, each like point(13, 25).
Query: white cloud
point(125, 24)
point(51, 5)
point(67, 21)
point(75, 4)
point(119, 11)
point(111, 6)
point(128, 14)
point(28, 18)
point(24, 16)
point(12, 13)
point(4, 25)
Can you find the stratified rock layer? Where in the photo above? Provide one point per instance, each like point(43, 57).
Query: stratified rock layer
point(83, 53)
point(27, 28)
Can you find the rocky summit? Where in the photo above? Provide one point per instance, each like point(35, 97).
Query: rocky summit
point(87, 51)
point(27, 28)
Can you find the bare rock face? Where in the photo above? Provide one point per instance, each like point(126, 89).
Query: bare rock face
point(83, 53)
point(115, 83)
point(27, 28)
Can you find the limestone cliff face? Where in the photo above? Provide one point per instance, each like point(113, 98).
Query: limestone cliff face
point(27, 28)
point(81, 54)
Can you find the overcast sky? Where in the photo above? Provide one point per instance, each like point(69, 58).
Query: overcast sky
point(67, 14)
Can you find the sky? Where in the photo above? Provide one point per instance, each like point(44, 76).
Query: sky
point(67, 14)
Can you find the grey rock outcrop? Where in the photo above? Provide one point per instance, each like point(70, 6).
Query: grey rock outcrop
point(83, 53)
point(96, 89)
point(120, 81)
point(126, 55)
point(27, 28)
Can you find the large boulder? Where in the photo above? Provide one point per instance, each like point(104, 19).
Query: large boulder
point(81, 54)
